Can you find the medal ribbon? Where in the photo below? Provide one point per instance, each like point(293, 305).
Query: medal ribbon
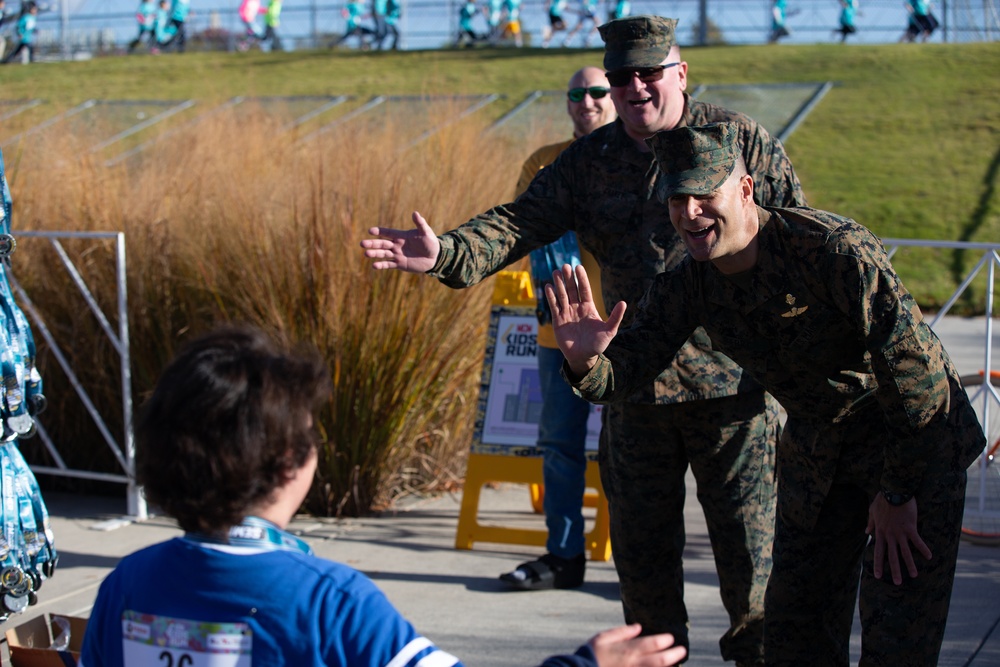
point(27, 542)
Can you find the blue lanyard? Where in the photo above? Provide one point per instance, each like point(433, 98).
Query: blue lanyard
point(21, 383)
point(258, 533)
point(27, 539)
point(27, 551)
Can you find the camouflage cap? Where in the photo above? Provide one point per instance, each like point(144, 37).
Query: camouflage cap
point(637, 41)
point(694, 160)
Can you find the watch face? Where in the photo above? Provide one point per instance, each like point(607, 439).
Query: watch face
point(896, 499)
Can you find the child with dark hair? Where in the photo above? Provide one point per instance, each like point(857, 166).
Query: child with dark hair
point(227, 445)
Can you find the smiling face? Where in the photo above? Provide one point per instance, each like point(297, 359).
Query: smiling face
point(720, 227)
point(589, 113)
point(653, 106)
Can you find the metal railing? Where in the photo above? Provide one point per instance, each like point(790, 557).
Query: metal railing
point(430, 24)
point(124, 452)
point(990, 260)
point(984, 507)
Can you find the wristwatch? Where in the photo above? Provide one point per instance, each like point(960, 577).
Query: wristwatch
point(896, 499)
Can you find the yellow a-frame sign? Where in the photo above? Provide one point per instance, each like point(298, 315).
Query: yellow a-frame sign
point(504, 445)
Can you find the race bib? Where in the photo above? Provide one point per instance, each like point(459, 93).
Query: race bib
point(159, 641)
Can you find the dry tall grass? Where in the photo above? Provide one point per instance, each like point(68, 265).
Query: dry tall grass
point(231, 219)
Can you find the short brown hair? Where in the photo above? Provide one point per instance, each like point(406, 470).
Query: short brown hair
point(227, 424)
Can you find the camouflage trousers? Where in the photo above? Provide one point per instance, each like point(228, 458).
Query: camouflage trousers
point(644, 454)
point(814, 585)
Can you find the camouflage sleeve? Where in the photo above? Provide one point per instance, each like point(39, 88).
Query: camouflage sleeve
point(638, 354)
point(775, 182)
point(906, 356)
point(504, 234)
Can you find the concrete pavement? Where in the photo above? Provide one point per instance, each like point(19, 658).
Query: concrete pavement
point(455, 598)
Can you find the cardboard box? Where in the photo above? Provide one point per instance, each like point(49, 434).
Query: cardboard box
point(30, 644)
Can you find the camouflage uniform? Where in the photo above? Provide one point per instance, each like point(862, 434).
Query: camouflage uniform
point(702, 409)
point(874, 404)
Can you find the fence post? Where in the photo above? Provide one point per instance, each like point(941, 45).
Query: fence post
point(702, 22)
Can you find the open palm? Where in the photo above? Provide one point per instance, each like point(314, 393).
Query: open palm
point(415, 250)
point(580, 331)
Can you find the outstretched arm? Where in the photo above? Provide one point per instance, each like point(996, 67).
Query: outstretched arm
point(580, 332)
point(415, 251)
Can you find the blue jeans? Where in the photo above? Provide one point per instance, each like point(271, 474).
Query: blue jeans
point(562, 435)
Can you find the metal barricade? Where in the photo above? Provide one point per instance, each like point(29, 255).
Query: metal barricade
point(983, 499)
point(124, 452)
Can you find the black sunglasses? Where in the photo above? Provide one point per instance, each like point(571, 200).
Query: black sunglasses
point(623, 77)
point(577, 94)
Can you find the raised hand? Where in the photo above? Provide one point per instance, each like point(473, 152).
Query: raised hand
point(620, 647)
point(415, 251)
point(580, 332)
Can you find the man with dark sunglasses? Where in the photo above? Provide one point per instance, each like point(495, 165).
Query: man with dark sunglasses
point(562, 423)
point(702, 410)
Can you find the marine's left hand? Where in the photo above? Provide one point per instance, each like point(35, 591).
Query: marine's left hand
point(580, 331)
point(896, 537)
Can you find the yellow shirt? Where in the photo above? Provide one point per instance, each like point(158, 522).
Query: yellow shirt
point(541, 158)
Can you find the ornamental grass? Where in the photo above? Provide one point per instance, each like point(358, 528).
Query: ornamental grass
point(234, 219)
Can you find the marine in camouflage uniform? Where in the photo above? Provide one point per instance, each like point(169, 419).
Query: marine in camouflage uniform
point(879, 429)
point(702, 410)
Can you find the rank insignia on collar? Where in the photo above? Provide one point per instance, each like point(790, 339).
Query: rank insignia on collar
point(792, 310)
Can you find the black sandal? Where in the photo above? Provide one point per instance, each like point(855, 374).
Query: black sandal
point(546, 573)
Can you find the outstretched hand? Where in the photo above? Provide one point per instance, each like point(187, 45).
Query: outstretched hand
point(895, 530)
point(415, 251)
point(621, 647)
point(580, 332)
